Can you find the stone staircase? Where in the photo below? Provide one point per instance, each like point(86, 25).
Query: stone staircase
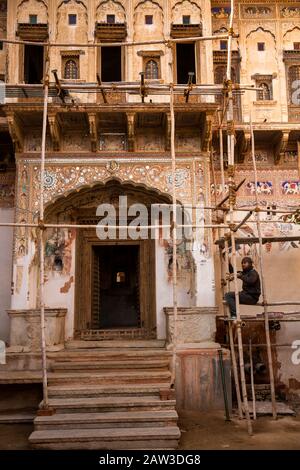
point(109, 395)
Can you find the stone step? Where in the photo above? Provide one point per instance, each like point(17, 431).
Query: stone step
point(106, 404)
point(164, 437)
point(116, 344)
point(109, 364)
point(108, 377)
point(69, 391)
point(109, 354)
point(123, 419)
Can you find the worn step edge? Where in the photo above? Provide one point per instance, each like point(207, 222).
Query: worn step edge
point(109, 417)
point(107, 434)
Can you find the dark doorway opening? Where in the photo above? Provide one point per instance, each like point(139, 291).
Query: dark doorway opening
point(33, 64)
point(185, 61)
point(115, 287)
point(111, 68)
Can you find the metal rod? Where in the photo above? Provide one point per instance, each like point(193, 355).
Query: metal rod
point(252, 381)
point(235, 229)
point(263, 287)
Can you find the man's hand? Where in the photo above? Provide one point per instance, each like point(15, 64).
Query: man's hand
point(240, 274)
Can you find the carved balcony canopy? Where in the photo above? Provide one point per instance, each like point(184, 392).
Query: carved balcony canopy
point(109, 32)
point(291, 55)
point(221, 57)
point(186, 30)
point(33, 32)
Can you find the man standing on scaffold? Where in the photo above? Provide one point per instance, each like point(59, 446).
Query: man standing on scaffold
point(250, 292)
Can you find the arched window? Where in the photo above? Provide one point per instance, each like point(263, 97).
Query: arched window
point(71, 70)
point(151, 70)
point(293, 75)
point(264, 94)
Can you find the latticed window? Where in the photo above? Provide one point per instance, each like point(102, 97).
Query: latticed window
point(264, 94)
point(151, 70)
point(71, 69)
point(293, 76)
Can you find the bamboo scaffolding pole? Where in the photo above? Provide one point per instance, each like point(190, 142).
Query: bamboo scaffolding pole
point(221, 155)
point(232, 198)
point(41, 240)
point(252, 381)
point(262, 345)
point(263, 287)
point(174, 227)
point(83, 226)
point(166, 42)
point(226, 289)
point(230, 332)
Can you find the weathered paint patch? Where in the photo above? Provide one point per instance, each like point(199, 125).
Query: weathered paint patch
point(66, 287)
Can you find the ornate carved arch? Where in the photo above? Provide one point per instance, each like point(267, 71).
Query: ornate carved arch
point(38, 2)
point(260, 28)
point(155, 4)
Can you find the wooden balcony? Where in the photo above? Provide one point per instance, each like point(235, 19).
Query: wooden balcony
point(186, 30)
point(111, 32)
point(32, 32)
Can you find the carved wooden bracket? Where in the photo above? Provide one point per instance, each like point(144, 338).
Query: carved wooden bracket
point(280, 145)
point(93, 132)
point(131, 131)
point(207, 133)
point(243, 145)
point(15, 130)
point(54, 131)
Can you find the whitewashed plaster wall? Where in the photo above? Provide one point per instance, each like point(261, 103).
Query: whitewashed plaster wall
point(6, 244)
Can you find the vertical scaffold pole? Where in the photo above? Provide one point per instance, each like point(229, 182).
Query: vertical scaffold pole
point(174, 224)
point(263, 286)
point(232, 198)
point(231, 340)
point(41, 237)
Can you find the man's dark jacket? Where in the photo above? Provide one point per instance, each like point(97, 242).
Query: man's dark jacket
point(251, 282)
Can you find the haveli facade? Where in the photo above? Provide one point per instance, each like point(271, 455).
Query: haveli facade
point(97, 151)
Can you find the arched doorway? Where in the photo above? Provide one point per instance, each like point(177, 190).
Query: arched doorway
point(115, 292)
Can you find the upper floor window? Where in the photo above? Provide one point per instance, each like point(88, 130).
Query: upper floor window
point(264, 85)
point(223, 45)
point(33, 19)
point(148, 19)
point(72, 19)
point(261, 46)
point(265, 92)
point(110, 19)
point(71, 71)
point(293, 78)
point(297, 46)
point(151, 69)
point(186, 19)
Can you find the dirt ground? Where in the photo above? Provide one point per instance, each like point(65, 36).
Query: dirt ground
point(209, 431)
point(203, 431)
